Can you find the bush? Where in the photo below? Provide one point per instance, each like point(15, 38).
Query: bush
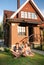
point(39, 47)
point(6, 49)
point(43, 48)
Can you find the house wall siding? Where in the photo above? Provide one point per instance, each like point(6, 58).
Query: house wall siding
point(37, 35)
point(15, 38)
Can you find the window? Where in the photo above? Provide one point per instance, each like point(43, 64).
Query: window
point(21, 30)
point(22, 14)
point(28, 15)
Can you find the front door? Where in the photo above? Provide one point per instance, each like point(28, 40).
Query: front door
point(30, 33)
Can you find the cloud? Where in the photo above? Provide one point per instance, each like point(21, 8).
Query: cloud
point(1, 17)
point(43, 11)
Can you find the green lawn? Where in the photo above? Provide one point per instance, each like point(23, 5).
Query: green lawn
point(8, 59)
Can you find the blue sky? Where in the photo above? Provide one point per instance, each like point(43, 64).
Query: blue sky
point(12, 5)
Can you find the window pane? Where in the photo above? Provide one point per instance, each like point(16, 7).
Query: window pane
point(33, 15)
point(29, 15)
point(25, 14)
point(22, 14)
point(24, 29)
point(19, 29)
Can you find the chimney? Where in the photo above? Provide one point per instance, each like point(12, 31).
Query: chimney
point(18, 4)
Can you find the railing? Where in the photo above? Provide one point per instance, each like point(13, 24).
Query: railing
point(27, 37)
point(37, 38)
point(33, 38)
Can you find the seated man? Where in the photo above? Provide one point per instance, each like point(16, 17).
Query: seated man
point(16, 50)
point(27, 51)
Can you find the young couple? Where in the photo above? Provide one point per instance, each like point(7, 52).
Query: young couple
point(23, 50)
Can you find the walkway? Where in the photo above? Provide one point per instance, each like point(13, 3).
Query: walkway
point(38, 51)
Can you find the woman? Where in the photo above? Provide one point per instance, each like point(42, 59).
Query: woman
point(27, 51)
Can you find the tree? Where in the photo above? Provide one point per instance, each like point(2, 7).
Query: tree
point(1, 31)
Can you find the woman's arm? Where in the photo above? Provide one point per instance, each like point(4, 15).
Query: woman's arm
point(23, 50)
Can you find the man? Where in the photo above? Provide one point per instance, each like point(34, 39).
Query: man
point(16, 50)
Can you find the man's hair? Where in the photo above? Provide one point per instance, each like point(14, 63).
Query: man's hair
point(17, 43)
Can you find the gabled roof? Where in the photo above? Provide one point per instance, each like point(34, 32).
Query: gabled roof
point(24, 5)
point(7, 14)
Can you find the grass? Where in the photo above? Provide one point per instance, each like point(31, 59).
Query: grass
point(7, 59)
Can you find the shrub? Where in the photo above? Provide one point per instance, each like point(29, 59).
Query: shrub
point(6, 49)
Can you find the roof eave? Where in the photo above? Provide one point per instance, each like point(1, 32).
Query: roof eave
point(21, 20)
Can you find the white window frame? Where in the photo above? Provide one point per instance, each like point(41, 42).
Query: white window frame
point(22, 14)
point(21, 30)
point(28, 15)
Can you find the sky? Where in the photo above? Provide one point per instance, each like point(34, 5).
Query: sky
point(12, 6)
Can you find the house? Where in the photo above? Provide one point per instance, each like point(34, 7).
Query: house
point(24, 25)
